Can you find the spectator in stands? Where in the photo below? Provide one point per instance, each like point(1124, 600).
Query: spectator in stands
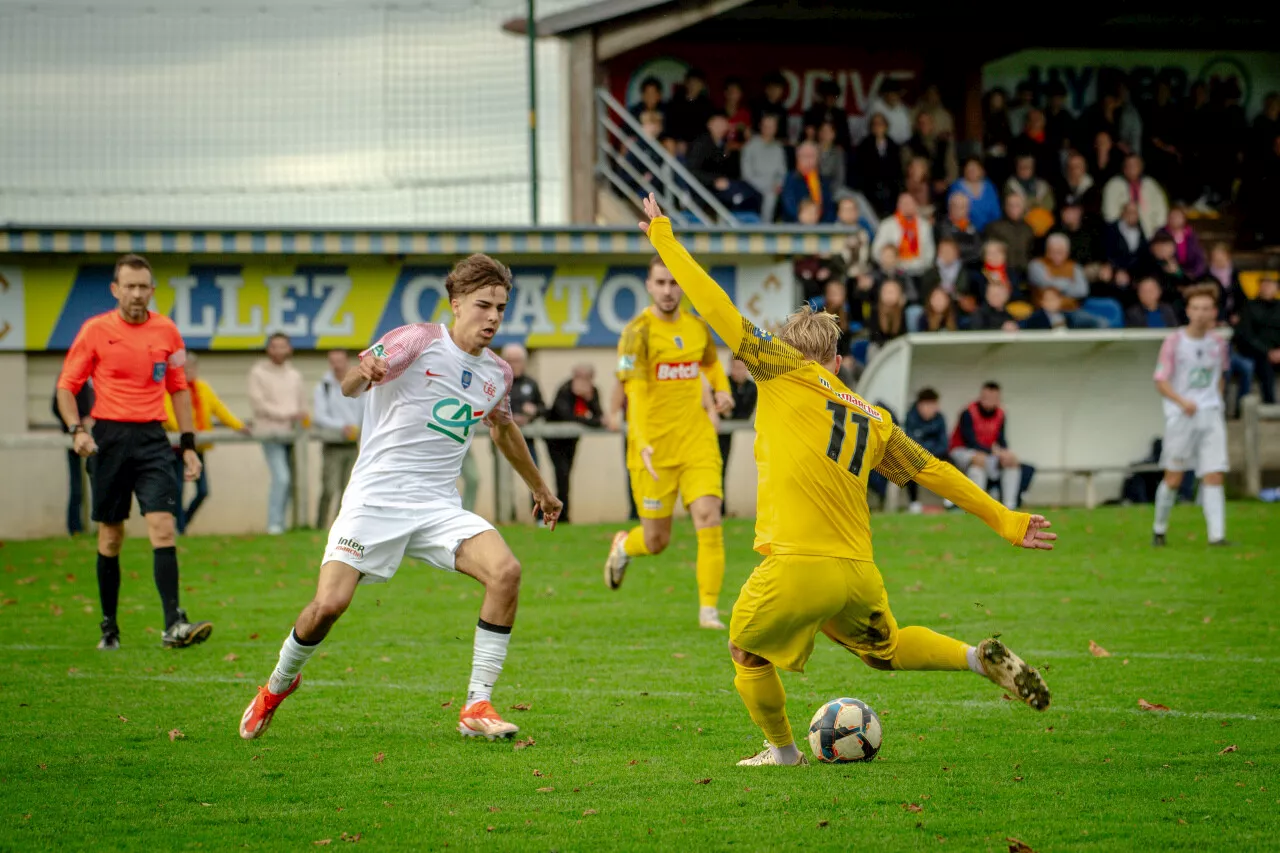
point(577, 401)
point(984, 201)
point(995, 267)
point(831, 157)
point(709, 161)
point(1056, 271)
point(810, 213)
point(1024, 101)
point(1105, 160)
point(689, 109)
point(771, 102)
point(1165, 130)
point(1133, 186)
point(888, 318)
point(1259, 334)
point(936, 149)
point(1126, 246)
point(877, 166)
point(1198, 138)
point(333, 410)
point(650, 98)
point(926, 426)
point(855, 248)
point(1016, 235)
point(993, 314)
point(1266, 127)
point(888, 103)
point(834, 300)
point(1060, 123)
point(887, 266)
point(1150, 311)
point(1128, 121)
point(744, 391)
point(735, 109)
point(918, 186)
point(951, 274)
point(1258, 198)
point(997, 136)
point(910, 234)
point(764, 165)
point(1086, 242)
point(1186, 244)
point(1222, 271)
point(1102, 117)
point(646, 145)
point(1034, 142)
point(806, 183)
point(939, 313)
point(1078, 187)
point(958, 227)
point(279, 407)
point(206, 406)
point(1165, 268)
point(1037, 195)
point(75, 465)
point(979, 447)
point(525, 397)
point(1228, 141)
point(931, 102)
point(812, 272)
point(1051, 314)
point(827, 108)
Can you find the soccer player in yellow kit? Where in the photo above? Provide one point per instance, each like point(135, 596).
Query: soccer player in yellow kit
point(671, 443)
point(816, 445)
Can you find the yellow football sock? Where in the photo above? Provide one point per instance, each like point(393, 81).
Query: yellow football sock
point(921, 649)
point(634, 544)
point(766, 701)
point(710, 565)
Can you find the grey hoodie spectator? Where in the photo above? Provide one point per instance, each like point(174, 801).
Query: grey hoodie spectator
point(525, 396)
point(764, 165)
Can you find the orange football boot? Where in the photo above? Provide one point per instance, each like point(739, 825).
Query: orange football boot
point(263, 707)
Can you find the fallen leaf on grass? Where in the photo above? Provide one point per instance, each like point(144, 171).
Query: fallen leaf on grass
point(678, 655)
point(1151, 706)
point(913, 808)
point(322, 842)
point(1017, 778)
point(546, 790)
point(823, 823)
point(55, 610)
point(43, 766)
point(521, 744)
point(253, 636)
point(632, 763)
point(206, 804)
point(589, 811)
point(521, 706)
point(174, 734)
point(231, 656)
point(1098, 651)
point(537, 772)
point(25, 581)
point(71, 670)
point(1182, 822)
point(1224, 751)
point(446, 704)
point(350, 838)
point(703, 782)
point(379, 758)
point(494, 809)
point(1006, 697)
point(9, 601)
point(1016, 846)
point(71, 578)
point(488, 829)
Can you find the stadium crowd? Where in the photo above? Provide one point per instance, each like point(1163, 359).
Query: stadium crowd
point(1054, 221)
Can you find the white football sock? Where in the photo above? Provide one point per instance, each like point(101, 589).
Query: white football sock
point(1010, 482)
point(486, 660)
point(975, 663)
point(789, 754)
point(1215, 511)
point(978, 473)
point(293, 654)
point(1165, 498)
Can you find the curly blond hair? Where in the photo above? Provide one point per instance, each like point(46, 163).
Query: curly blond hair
point(814, 333)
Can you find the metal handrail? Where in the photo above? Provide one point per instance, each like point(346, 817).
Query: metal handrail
point(696, 189)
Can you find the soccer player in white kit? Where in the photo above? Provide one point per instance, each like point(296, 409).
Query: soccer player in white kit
point(429, 388)
point(1190, 373)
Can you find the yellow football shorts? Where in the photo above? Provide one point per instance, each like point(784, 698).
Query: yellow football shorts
point(657, 498)
point(789, 599)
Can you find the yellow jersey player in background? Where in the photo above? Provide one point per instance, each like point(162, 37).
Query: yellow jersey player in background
point(663, 355)
point(816, 444)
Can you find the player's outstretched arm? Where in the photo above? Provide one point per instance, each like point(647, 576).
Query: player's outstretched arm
point(510, 441)
point(904, 460)
point(709, 298)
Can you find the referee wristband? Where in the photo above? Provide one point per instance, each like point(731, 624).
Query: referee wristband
point(188, 441)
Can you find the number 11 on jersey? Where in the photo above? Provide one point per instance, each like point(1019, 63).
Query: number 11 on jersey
point(840, 415)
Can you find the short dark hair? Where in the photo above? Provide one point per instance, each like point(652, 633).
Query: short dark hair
point(133, 262)
point(774, 78)
point(1162, 237)
point(655, 261)
point(733, 81)
point(990, 385)
point(650, 82)
point(927, 395)
point(1209, 291)
point(271, 337)
point(475, 272)
point(695, 74)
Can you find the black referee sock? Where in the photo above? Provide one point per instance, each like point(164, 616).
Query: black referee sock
point(166, 568)
point(109, 585)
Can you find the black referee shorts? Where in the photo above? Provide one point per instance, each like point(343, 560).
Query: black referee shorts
point(132, 459)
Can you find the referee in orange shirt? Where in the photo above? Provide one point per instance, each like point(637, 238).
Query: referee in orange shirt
point(133, 356)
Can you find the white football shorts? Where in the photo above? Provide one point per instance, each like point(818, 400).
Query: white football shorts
point(1197, 443)
point(374, 540)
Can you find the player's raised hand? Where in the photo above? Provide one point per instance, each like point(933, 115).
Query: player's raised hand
point(1038, 537)
point(646, 456)
point(373, 368)
point(651, 212)
point(548, 506)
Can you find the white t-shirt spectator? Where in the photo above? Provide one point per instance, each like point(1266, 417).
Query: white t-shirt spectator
point(899, 119)
point(1153, 205)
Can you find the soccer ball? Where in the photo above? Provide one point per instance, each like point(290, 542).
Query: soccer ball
point(845, 730)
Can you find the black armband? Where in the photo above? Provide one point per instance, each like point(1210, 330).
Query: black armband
point(188, 441)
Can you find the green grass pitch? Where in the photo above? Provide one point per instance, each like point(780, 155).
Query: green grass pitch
point(634, 722)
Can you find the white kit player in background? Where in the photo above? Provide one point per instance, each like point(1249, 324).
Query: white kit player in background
point(429, 388)
point(1190, 374)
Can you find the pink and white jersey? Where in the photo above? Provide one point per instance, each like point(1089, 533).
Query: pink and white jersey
point(420, 419)
point(1194, 367)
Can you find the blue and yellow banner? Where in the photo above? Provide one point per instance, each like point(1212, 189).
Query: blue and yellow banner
point(236, 306)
